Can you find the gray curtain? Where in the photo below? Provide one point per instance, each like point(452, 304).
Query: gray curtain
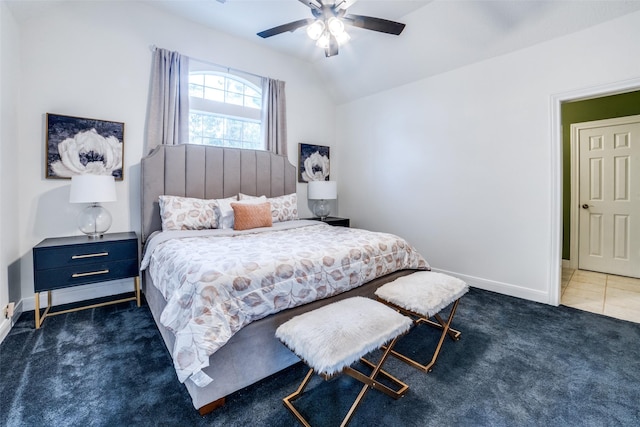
point(168, 112)
point(274, 115)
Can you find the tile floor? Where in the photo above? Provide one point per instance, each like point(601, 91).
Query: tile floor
point(614, 296)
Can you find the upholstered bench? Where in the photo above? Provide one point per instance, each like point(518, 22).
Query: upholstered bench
point(332, 338)
point(422, 295)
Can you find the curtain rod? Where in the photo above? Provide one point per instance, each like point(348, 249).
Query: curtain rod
point(153, 48)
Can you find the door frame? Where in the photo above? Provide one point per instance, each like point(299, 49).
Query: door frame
point(556, 155)
point(574, 240)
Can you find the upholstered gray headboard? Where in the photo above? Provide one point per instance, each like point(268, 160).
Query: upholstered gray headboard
point(209, 173)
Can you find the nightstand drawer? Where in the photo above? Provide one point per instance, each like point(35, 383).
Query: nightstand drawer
point(84, 254)
point(56, 278)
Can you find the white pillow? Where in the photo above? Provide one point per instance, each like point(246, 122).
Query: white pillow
point(225, 211)
point(283, 208)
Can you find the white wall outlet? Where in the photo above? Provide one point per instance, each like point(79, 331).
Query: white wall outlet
point(9, 309)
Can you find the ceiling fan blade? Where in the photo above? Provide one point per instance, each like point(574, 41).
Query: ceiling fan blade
point(332, 49)
point(375, 24)
point(313, 4)
point(291, 26)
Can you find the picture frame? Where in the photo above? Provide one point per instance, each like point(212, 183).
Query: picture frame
point(79, 145)
point(313, 162)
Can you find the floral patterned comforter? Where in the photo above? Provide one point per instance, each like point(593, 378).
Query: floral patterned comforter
point(222, 280)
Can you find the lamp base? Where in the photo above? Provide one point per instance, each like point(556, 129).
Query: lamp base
point(321, 209)
point(94, 221)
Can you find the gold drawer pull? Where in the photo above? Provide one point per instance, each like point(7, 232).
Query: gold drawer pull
point(90, 255)
point(91, 273)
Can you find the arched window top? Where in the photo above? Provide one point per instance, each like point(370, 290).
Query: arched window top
point(224, 110)
point(225, 88)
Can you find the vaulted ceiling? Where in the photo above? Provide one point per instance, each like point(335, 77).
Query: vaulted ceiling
point(440, 35)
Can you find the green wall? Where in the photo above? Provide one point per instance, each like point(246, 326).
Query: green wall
point(608, 107)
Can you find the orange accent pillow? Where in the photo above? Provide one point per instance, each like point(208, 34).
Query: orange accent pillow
point(247, 216)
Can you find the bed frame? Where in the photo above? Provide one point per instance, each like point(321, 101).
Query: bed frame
point(211, 173)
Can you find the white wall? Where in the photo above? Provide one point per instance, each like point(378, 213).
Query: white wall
point(9, 177)
point(461, 163)
point(92, 59)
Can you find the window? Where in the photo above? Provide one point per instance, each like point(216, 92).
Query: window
point(225, 110)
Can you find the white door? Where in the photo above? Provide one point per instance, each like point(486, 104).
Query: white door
point(609, 196)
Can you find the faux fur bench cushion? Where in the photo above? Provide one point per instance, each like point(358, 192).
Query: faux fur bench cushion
point(333, 337)
point(423, 292)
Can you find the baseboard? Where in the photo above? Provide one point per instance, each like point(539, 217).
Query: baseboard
point(500, 287)
point(7, 324)
point(5, 327)
point(81, 293)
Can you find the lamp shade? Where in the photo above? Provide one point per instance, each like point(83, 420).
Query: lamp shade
point(322, 190)
point(92, 189)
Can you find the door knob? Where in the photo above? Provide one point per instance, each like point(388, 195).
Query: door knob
point(585, 206)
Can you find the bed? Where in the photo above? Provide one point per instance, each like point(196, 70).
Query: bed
point(216, 367)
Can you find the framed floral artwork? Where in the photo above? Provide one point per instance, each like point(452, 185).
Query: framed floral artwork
point(313, 163)
point(77, 145)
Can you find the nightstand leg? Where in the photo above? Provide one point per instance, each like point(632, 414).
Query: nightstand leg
point(40, 318)
point(136, 281)
point(37, 310)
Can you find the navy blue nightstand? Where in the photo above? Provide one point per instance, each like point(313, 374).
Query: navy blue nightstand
point(333, 220)
point(73, 261)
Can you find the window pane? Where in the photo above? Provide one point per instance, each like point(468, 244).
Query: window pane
point(252, 102)
point(217, 129)
point(208, 125)
point(195, 90)
point(251, 132)
point(214, 81)
point(234, 129)
point(235, 86)
point(249, 91)
point(197, 79)
point(234, 92)
point(195, 123)
point(234, 98)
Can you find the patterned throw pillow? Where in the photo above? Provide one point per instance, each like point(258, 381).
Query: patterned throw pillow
point(187, 213)
point(247, 216)
point(283, 208)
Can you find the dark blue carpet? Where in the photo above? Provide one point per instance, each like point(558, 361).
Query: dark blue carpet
point(518, 363)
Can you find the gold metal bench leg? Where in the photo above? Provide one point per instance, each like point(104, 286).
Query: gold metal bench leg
point(368, 381)
point(296, 394)
point(440, 324)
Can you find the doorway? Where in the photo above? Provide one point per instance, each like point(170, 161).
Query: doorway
point(598, 292)
point(605, 207)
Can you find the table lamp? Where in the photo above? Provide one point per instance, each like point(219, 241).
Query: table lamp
point(94, 220)
point(322, 191)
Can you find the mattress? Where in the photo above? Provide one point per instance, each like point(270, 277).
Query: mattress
point(216, 282)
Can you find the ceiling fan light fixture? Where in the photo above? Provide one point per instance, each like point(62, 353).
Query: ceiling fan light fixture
point(335, 25)
point(323, 40)
point(343, 37)
point(327, 27)
point(315, 29)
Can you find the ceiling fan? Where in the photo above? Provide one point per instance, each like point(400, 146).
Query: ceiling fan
point(328, 22)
